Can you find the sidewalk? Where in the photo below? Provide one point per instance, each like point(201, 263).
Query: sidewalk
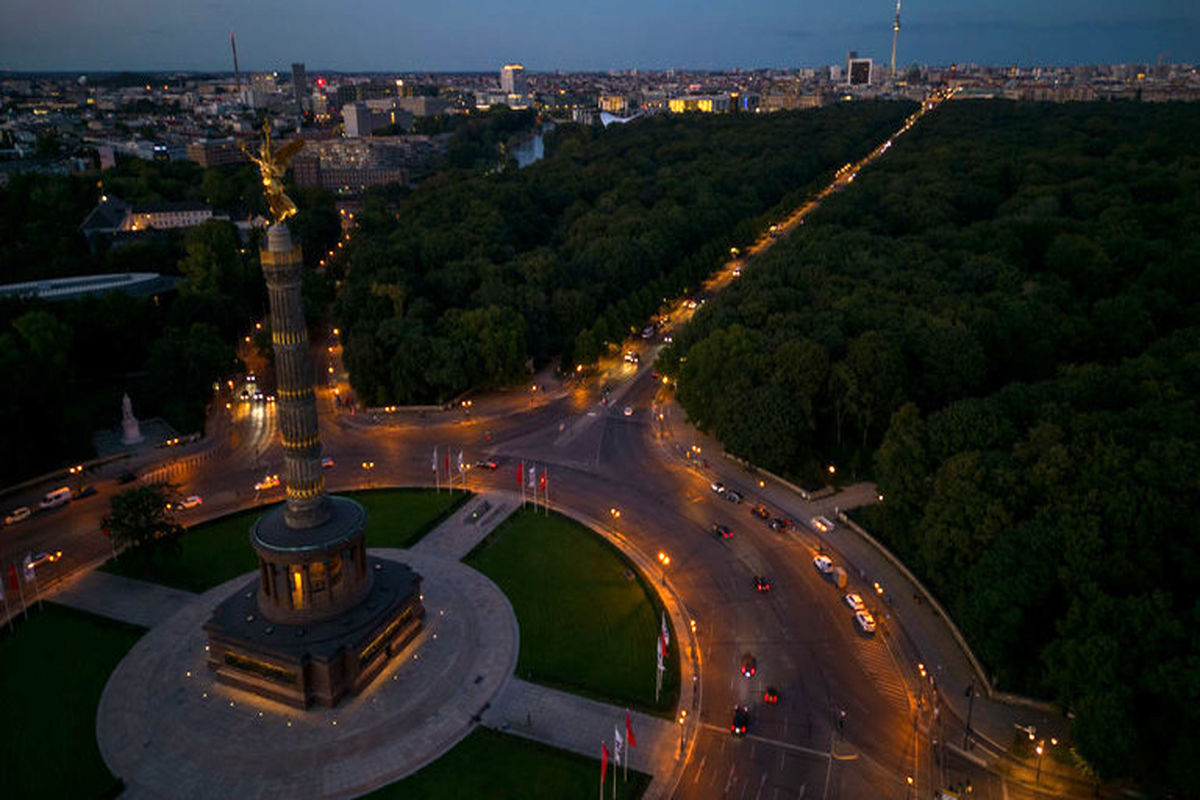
point(458, 535)
point(912, 622)
point(125, 599)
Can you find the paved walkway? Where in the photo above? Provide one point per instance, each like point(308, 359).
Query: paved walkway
point(458, 535)
point(575, 723)
point(137, 602)
point(169, 730)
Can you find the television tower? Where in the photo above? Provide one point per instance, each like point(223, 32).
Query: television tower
point(895, 36)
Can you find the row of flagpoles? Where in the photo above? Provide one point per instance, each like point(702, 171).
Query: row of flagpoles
point(618, 754)
point(533, 483)
point(13, 583)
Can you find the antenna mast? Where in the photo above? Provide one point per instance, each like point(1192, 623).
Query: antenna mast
point(237, 76)
point(895, 36)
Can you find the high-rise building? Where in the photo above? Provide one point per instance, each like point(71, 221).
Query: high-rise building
point(299, 85)
point(858, 70)
point(512, 79)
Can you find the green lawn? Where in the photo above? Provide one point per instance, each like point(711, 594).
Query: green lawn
point(54, 668)
point(214, 552)
point(502, 767)
point(588, 623)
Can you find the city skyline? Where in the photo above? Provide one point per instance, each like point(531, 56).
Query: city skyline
point(470, 35)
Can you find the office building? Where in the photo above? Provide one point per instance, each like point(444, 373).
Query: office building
point(512, 79)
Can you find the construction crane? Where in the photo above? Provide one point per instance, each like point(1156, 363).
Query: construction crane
point(895, 36)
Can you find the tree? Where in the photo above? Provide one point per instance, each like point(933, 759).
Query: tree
point(140, 519)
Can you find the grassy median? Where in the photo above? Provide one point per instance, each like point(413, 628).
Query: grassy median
point(503, 767)
point(588, 621)
point(214, 552)
point(55, 666)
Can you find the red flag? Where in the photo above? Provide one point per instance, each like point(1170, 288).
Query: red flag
point(13, 580)
point(520, 474)
point(629, 731)
point(603, 761)
point(543, 486)
point(447, 459)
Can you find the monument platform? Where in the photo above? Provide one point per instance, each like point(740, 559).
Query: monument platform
point(169, 729)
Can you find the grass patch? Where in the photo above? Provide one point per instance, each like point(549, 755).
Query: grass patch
point(503, 767)
point(588, 621)
point(214, 552)
point(55, 667)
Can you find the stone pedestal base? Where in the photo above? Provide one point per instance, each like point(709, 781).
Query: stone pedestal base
point(317, 663)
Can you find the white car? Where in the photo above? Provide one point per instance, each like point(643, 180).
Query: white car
point(822, 524)
point(18, 515)
point(717, 487)
point(855, 602)
point(824, 564)
point(865, 621)
point(629, 411)
point(191, 501)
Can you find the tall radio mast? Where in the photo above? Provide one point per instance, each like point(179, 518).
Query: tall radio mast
point(238, 78)
point(895, 36)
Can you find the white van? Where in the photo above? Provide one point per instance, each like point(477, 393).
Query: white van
point(59, 497)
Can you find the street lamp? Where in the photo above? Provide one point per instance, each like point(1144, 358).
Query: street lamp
point(682, 720)
point(665, 561)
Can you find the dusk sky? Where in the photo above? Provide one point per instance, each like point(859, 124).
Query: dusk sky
point(479, 35)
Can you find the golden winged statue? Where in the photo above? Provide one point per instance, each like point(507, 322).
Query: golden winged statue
point(273, 166)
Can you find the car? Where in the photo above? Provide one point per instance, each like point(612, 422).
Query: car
point(721, 531)
point(717, 487)
point(737, 271)
point(19, 514)
point(733, 496)
point(761, 512)
point(327, 462)
point(45, 558)
point(489, 463)
point(780, 524)
point(632, 357)
point(191, 501)
point(824, 564)
point(258, 397)
point(770, 696)
point(762, 584)
point(668, 338)
point(268, 482)
point(86, 491)
point(865, 621)
point(749, 666)
point(741, 720)
point(822, 524)
point(648, 331)
point(628, 411)
point(855, 602)
point(126, 476)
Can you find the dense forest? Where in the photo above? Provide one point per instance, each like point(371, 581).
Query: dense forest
point(68, 363)
point(474, 275)
point(999, 323)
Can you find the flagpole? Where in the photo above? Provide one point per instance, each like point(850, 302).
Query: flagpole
point(21, 592)
point(437, 479)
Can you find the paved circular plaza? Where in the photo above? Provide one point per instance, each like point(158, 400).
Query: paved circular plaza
point(169, 730)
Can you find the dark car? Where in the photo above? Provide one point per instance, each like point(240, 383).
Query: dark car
point(722, 531)
point(741, 719)
point(126, 476)
point(761, 512)
point(749, 665)
point(762, 584)
point(86, 491)
point(490, 463)
point(770, 696)
point(733, 496)
point(780, 524)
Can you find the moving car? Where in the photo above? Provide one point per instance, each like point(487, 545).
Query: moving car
point(741, 719)
point(717, 487)
point(489, 463)
point(19, 514)
point(45, 558)
point(327, 462)
point(761, 512)
point(632, 358)
point(865, 621)
point(770, 696)
point(822, 524)
point(762, 584)
point(855, 602)
point(629, 411)
point(59, 497)
point(780, 524)
point(722, 531)
point(191, 501)
point(268, 482)
point(824, 564)
point(733, 496)
point(749, 666)
point(86, 491)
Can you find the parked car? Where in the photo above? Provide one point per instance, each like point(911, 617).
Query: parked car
point(733, 496)
point(191, 501)
point(126, 476)
point(19, 514)
point(855, 602)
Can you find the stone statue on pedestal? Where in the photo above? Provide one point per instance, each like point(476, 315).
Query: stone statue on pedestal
point(131, 432)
